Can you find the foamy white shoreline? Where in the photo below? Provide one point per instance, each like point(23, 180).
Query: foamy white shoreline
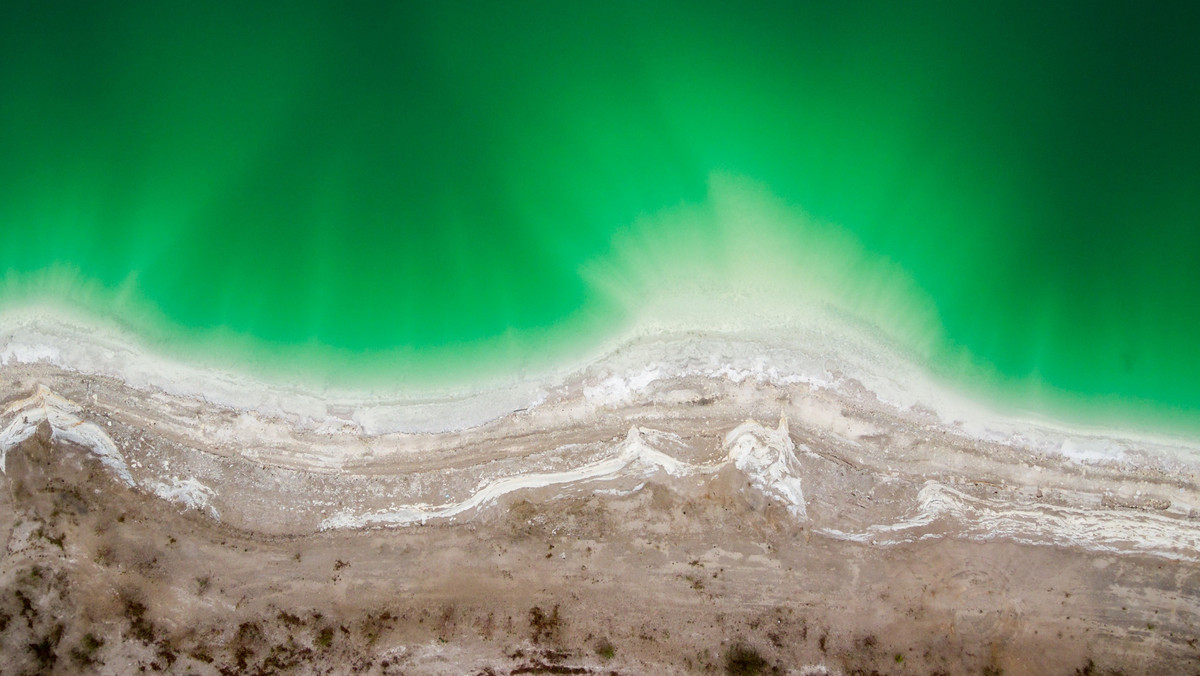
point(824, 351)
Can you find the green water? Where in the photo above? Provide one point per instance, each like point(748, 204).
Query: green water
point(422, 190)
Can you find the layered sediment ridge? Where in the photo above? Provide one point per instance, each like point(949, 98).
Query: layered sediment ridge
point(682, 406)
point(822, 445)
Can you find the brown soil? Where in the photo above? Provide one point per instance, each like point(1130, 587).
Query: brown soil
point(694, 575)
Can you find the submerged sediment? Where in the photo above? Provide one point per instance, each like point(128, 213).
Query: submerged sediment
point(680, 505)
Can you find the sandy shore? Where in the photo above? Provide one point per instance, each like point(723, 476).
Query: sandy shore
point(684, 504)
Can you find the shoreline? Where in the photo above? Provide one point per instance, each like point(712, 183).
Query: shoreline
point(827, 350)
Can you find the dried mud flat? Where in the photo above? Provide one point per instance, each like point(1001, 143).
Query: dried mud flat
point(701, 526)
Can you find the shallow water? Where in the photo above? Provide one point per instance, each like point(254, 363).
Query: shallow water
point(435, 192)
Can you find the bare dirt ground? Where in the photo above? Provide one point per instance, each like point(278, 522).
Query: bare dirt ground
point(909, 551)
point(98, 577)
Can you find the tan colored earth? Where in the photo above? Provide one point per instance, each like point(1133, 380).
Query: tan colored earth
point(911, 551)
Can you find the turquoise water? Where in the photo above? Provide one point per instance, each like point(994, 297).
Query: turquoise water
point(440, 190)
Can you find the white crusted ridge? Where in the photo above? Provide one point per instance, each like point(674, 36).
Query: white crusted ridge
point(65, 424)
point(768, 457)
point(63, 416)
point(187, 492)
point(634, 453)
point(617, 390)
point(1112, 530)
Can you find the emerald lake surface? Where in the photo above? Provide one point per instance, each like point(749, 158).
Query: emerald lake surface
point(438, 189)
